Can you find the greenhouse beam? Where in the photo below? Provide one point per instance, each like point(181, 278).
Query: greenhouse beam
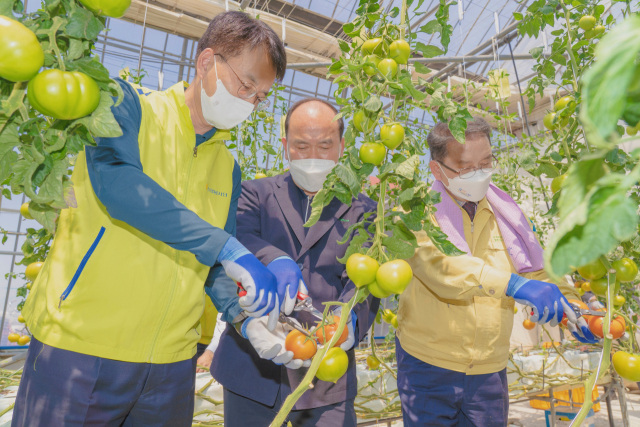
point(438, 60)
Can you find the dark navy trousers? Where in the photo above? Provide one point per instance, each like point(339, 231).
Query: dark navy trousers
point(439, 397)
point(240, 411)
point(61, 388)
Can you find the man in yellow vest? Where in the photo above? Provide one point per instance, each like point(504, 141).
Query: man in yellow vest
point(456, 316)
point(115, 311)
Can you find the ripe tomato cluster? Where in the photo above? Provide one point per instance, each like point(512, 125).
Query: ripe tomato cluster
point(392, 277)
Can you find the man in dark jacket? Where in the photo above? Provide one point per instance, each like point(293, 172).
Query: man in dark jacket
point(271, 214)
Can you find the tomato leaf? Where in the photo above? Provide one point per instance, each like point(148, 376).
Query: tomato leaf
point(581, 176)
point(605, 84)
point(83, 25)
point(428, 51)
point(349, 178)
point(9, 140)
point(440, 240)
point(458, 127)
point(6, 8)
point(92, 68)
point(44, 214)
point(101, 122)
point(397, 247)
point(415, 93)
point(597, 225)
point(373, 104)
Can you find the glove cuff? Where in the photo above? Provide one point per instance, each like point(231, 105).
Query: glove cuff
point(232, 250)
point(243, 329)
point(283, 257)
point(515, 283)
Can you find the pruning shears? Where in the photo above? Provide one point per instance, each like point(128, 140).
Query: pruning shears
point(582, 312)
point(304, 302)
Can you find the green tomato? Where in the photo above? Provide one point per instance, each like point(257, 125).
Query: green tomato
point(21, 55)
point(599, 287)
point(557, 182)
point(388, 67)
point(565, 101)
point(394, 322)
point(392, 135)
point(333, 366)
point(632, 131)
point(362, 269)
point(378, 292)
point(373, 46)
point(373, 363)
point(599, 29)
point(262, 114)
point(64, 95)
point(618, 301)
point(399, 51)
point(627, 365)
point(112, 8)
point(24, 211)
point(592, 271)
point(587, 22)
point(548, 122)
point(372, 152)
point(371, 71)
point(626, 269)
point(387, 315)
point(394, 276)
point(362, 122)
point(589, 34)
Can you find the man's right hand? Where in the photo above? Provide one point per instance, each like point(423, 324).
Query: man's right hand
point(544, 298)
point(260, 284)
point(270, 344)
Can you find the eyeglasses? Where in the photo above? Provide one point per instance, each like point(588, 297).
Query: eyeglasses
point(467, 173)
point(247, 90)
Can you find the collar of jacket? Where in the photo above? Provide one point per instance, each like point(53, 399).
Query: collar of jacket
point(289, 200)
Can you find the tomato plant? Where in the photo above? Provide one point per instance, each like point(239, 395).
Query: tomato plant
point(326, 331)
point(333, 366)
point(21, 55)
point(302, 346)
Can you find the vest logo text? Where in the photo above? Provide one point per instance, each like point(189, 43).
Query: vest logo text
point(216, 192)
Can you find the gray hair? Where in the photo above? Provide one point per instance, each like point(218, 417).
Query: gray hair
point(440, 136)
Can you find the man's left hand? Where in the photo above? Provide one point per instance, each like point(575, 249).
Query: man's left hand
point(289, 279)
point(351, 325)
point(204, 360)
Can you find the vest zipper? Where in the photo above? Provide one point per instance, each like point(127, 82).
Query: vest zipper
point(176, 260)
point(472, 226)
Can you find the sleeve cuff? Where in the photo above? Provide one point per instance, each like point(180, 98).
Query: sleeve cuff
point(494, 282)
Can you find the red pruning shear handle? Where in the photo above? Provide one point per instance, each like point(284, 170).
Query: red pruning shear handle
point(242, 292)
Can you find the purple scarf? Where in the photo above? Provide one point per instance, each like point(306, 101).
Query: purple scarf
point(519, 239)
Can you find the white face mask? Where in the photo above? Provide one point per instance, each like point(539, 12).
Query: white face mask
point(310, 174)
point(472, 189)
point(223, 110)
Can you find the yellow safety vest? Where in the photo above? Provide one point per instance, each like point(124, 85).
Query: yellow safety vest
point(208, 322)
point(134, 299)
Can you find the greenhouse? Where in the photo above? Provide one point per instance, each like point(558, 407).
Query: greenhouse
point(274, 213)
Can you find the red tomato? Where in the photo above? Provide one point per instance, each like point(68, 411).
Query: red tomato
point(329, 330)
point(302, 346)
point(596, 326)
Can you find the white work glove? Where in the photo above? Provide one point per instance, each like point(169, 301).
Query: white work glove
point(580, 331)
point(351, 325)
point(270, 344)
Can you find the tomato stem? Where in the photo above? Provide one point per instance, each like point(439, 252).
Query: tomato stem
point(291, 400)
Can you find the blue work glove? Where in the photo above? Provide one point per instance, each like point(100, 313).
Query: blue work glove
point(544, 298)
point(580, 331)
point(261, 286)
point(289, 279)
point(351, 325)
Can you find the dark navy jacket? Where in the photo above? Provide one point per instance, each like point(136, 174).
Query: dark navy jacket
point(270, 225)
